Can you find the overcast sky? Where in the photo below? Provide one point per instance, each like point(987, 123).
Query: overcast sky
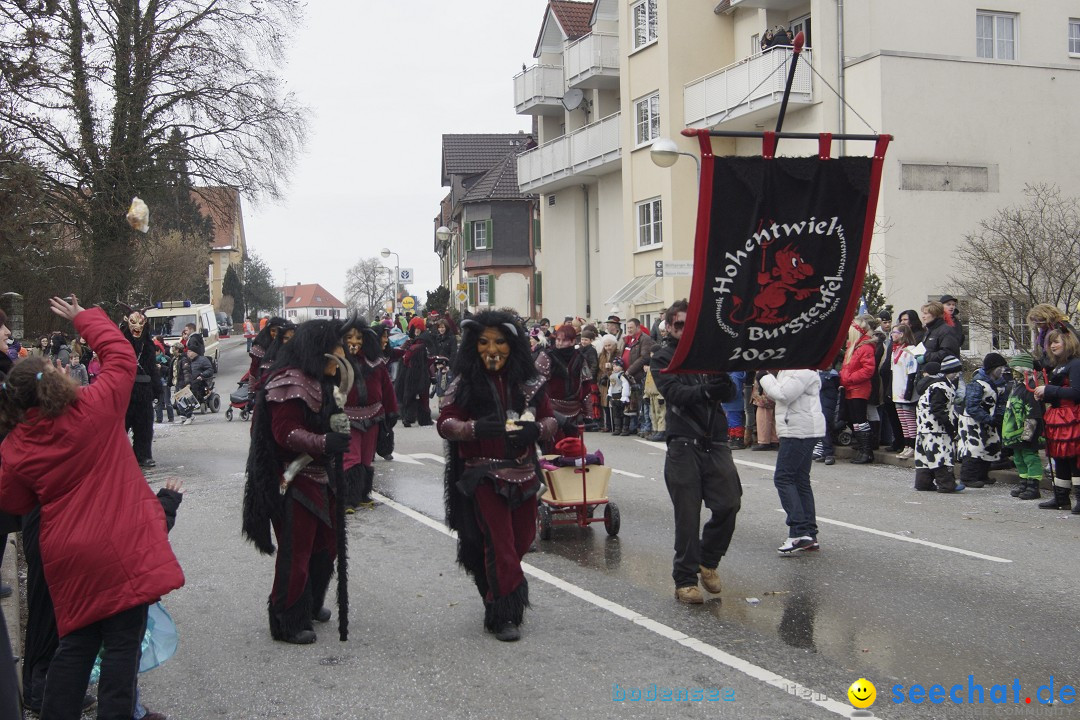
point(384, 80)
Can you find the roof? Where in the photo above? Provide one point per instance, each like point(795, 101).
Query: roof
point(222, 205)
point(301, 296)
point(498, 183)
point(477, 153)
point(574, 19)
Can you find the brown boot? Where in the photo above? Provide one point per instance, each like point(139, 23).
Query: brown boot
point(710, 579)
point(689, 595)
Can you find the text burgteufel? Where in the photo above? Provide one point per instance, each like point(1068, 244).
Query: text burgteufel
point(813, 226)
point(829, 287)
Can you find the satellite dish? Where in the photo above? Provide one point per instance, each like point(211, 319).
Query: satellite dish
point(572, 99)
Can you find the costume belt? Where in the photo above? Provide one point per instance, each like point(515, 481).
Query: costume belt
point(570, 408)
point(142, 378)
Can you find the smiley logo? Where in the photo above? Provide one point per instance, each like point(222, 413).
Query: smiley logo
point(862, 693)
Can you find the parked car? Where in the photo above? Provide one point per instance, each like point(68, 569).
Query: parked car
point(169, 318)
point(224, 323)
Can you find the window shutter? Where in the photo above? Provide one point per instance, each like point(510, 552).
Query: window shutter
point(472, 293)
point(468, 236)
point(491, 288)
point(536, 235)
point(490, 237)
point(538, 287)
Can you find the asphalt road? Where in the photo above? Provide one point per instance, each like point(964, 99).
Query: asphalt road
point(908, 588)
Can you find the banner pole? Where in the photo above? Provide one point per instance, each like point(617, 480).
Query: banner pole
point(796, 51)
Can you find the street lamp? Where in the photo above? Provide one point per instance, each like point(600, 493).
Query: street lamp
point(397, 272)
point(665, 153)
point(443, 235)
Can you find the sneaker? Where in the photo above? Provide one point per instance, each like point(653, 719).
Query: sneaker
point(794, 545)
point(830, 460)
point(710, 579)
point(819, 458)
point(689, 595)
point(906, 454)
point(761, 446)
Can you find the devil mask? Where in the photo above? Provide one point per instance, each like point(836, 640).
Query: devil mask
point(136, 322)
point(493, 348)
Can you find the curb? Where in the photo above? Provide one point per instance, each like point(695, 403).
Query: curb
point(883, 456)
point(9, 573)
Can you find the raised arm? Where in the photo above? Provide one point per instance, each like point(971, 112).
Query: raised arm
point(111, 392)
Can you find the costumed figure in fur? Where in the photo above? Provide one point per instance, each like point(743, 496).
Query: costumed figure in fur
point(294, 479)
point(371, 403)
point(139, 419)
point(569, 383)
point(259, 346)
point(384, 445)
point(492, 416)
point(414, 381)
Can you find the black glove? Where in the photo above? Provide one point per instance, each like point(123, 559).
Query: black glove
point(336, 443)
point(391, 421)
point(525, 437)
point(489, 428)
point(718, 389)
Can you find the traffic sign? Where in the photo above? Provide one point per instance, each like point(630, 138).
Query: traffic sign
point(405, 276)
point(408, 302)
point(678, 268)
point(463, 286)
point(462, 296)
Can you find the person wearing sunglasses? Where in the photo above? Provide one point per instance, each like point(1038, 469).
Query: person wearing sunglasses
point(699, 467)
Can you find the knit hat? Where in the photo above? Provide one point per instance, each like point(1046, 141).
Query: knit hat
point(617, 361)
point(946, 298)
point(1023, 361)
point(951, 364)
point(931, 368)
point(195, 344)
point(993, 360)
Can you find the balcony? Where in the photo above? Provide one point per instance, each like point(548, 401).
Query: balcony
point(592, 61)
point(538, 90)
point(748, 93)
point(591, 150)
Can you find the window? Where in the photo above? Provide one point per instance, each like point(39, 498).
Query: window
point(479, 238)
point(995, 35)
point(290, 313)
point(648, 216)
point(755, 44)
point(644, 17)
point(320, 312)
point(647, 115)
point(1074, 37)
point(801, 25)
point(1008, 325)
point(485, 289)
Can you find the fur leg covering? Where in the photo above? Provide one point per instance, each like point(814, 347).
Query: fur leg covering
point(287, 622)
point(355, 480)
point(368, 483)
point(508, 608)
point(322, 569)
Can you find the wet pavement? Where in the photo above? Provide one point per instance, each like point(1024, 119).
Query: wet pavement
point(907, 588)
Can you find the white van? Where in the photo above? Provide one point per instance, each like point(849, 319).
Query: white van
point(169, 318)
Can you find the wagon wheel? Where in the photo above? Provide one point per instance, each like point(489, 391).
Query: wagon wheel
point(612, 519)
point(544, 518)
point(228, 414)
point(844, 438)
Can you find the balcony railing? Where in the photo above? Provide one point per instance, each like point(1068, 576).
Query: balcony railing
point(592, 61)
point(590, 150)
point(538, 90)
point(737, 95)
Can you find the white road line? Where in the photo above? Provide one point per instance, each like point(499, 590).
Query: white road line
point(905, 538)
point(627, 474)
point(430, 456)
point(665, 631)
point(407, 459)
point(872, 531)
point(441, 459)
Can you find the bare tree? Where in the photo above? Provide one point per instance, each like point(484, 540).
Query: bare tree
point(115, 81)
point(368, 284)
point(1021, 256)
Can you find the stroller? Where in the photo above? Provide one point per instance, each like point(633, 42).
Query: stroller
point(241, 399)
point(440, 375)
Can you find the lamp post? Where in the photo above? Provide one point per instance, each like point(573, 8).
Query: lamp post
point(397, 273)
point(665, 153)
point(443, 235)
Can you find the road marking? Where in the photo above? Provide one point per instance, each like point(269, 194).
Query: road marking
point(627, 474)
point(430, 456)
point(441, 459)
point(407, 459)
point(905, 538)
point(872, 531)
point(665, 631)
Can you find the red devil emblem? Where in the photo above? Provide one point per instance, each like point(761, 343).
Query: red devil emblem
point(776, 286)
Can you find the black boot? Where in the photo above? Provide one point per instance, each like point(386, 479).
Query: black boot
point(1076, 507)
point(946, 479)
point(924, 479)
point(862, 444)
point(1021, 488)
point(1030, 491)
point(1059, 501)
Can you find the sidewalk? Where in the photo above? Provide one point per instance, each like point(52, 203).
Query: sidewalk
point(884, 456)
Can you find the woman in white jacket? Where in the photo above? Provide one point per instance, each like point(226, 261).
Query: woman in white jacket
point(800, 425)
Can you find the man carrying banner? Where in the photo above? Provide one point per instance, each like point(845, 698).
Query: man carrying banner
point(698, 466)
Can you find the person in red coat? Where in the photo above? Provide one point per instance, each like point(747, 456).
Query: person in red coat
point(493, 414)
point(855, 377)
point(294, 485)
point(103, 540)
point(371, 402)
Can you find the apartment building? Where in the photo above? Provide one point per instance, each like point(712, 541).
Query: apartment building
point(977, 95)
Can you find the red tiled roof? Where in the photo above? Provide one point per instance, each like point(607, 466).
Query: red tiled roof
point(573, 16)
point(315, 295)
point(222, 206)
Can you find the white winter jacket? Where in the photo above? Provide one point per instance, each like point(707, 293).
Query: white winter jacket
point(798, 409)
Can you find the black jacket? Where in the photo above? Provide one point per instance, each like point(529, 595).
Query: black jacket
point(940, 341)
point(691, 410)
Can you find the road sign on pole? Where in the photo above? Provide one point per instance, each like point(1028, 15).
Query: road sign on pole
point(659, 268)
point(405, 276)
point(408, 302)
point(462, 296)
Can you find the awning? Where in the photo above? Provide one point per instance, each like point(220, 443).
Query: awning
point(636, 292)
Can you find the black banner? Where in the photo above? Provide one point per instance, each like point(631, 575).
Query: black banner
point(779, 258)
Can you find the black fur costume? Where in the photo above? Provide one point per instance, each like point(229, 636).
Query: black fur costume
point(265, 507)
point(472, 392)
point(139, 418)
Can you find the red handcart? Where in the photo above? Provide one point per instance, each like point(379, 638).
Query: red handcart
point(572, 495)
